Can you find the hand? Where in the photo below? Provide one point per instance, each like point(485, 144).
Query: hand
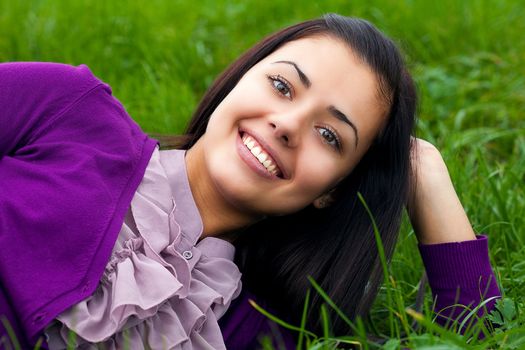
point(433, 206)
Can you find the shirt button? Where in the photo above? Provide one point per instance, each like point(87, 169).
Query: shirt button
point(187, 254)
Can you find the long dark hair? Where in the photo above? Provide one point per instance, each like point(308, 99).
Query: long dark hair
point(334, 245)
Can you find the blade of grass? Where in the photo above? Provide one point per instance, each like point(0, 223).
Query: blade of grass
point(303, 320)
point(325, 322)
point(474, 311)
point(10, 332)
point(278, 320)
point(382, 258)
point(444, 333)
point(329, 301)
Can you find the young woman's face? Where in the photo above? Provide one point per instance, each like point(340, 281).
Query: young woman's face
point(295, 125)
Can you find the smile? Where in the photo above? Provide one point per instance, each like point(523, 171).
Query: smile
point(262, 156)
point(259, 155)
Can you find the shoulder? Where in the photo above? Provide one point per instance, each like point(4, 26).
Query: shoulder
point(43, 89)
point(35, 74)
point(34, 94)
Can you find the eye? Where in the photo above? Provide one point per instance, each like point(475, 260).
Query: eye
point(330, 137)
point(281, 85)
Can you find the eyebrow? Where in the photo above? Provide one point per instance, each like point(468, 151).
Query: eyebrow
point(342, 117)
point(304, 79)
point(334, 111)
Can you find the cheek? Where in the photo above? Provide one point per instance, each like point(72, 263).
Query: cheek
point(249, 98)
point(317, 172)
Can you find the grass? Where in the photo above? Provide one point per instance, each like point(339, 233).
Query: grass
point(467, 58)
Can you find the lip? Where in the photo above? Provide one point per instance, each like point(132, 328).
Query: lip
point(268, 149)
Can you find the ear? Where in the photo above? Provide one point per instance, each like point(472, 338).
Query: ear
point(324, 200)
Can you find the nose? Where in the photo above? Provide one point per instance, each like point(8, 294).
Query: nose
point(288, 127)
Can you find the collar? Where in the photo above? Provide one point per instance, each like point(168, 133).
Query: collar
point(186, 212)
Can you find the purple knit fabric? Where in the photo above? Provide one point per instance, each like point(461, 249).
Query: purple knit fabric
point(70, 161)
point(459, 273)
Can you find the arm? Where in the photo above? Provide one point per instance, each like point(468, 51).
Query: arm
point(434, 208)
point(456, 260)
point(70, 161)
point(32, 94)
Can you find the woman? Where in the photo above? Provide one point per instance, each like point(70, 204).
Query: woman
point(137, 247)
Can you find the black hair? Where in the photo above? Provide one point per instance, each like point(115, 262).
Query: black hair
point(334, 245)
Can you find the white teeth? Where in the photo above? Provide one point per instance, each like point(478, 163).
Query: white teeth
point(248, 141)
point(261, 155)
point(256, 150)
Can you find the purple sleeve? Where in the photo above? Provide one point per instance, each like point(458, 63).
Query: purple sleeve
point(459, 273)
point(71, 159)
point(31, 95)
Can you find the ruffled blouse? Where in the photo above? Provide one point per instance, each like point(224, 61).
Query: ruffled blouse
point(162, 288)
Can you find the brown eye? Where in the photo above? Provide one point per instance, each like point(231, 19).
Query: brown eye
point(329, 137)
point(281, 85)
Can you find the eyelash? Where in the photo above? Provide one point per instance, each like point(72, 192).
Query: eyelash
point(280, 79)
point(337, 144)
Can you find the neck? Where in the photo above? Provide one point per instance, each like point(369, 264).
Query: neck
point(219, 217)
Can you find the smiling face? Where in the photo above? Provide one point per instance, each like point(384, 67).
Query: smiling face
point(296, 124)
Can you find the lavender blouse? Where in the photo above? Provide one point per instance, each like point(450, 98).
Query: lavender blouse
point(162, 288)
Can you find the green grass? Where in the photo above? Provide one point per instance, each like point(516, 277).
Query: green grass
point(468, 60)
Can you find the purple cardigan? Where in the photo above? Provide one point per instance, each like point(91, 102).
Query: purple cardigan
point(70, 161)
point(62, 132)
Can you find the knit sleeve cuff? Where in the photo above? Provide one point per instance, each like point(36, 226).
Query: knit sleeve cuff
point(454, 264)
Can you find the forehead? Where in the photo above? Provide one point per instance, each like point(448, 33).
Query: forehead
point(322, 55)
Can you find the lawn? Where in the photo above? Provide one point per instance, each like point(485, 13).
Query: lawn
point(468, 59)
